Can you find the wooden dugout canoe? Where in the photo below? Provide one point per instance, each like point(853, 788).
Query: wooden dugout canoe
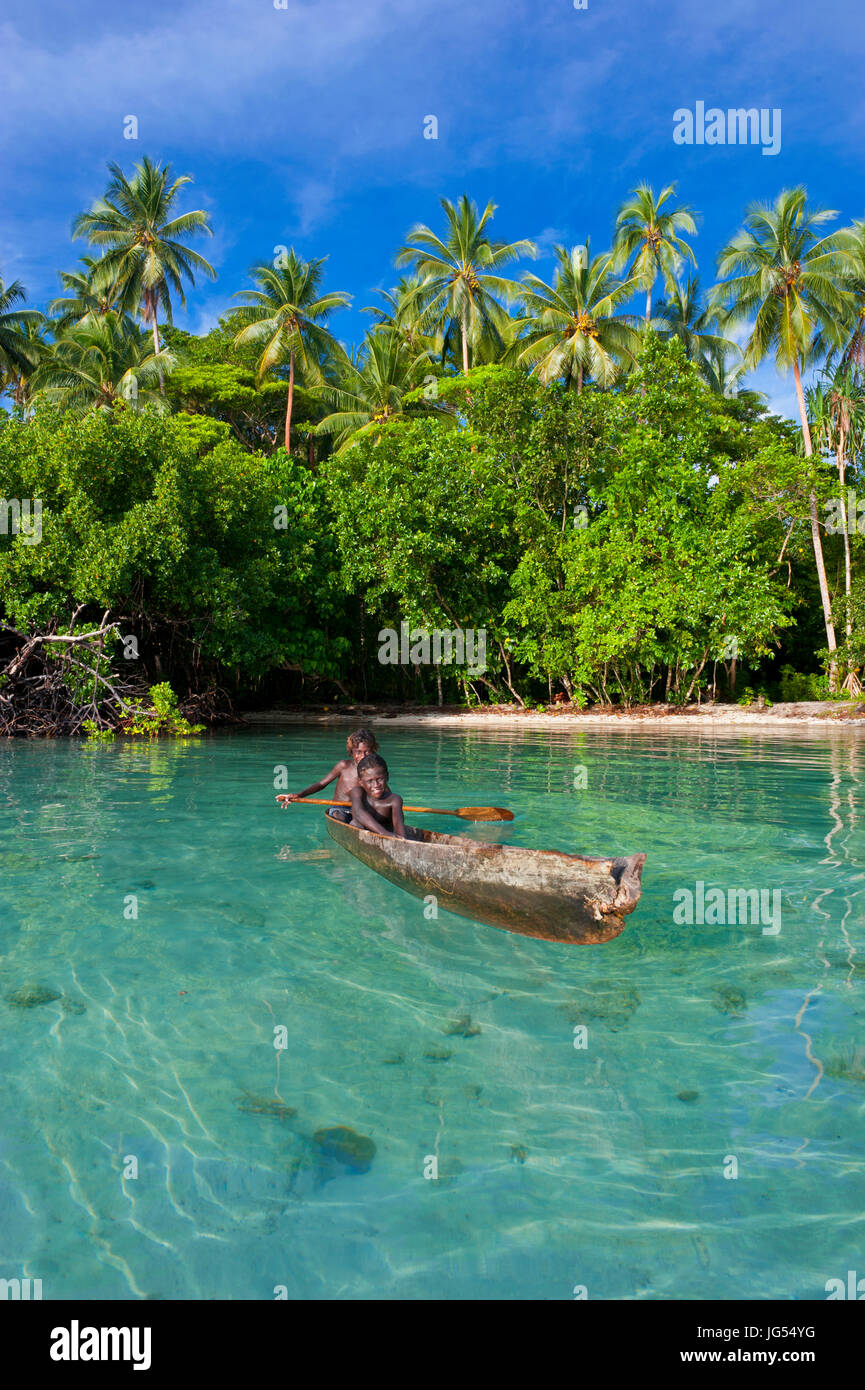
point(541, 893)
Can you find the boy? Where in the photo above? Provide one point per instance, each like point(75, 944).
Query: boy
point(373, 805)
point(360, 744)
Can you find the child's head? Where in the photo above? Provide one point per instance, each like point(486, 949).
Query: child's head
point(372, 774)
point(360, 744)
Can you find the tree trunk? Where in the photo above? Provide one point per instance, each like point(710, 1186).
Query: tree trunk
point(465, 351)
point(509, 678)
point(697, 675)
point(648, 305)
point(362, 626)
point(815, 533)
point(842, 474)
point(290, 402)
point(156, 341)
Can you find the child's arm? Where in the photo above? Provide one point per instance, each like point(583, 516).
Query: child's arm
point(364, 818)
point(398, 822)
point(286, 797)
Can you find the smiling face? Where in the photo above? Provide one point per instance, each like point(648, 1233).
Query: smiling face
point(361, 751)
point(374, 782)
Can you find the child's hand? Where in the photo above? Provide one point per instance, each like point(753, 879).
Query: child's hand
point(286, 797)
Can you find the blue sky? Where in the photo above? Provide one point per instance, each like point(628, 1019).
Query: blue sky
point(304, 125)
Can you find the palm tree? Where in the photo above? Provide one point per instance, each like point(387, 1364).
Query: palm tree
point(459, 273)
point(81, 298)
point(19, 350)
point(790, 281)
point(572, 330)
point(372, 388)
point(144, 258)
point(99, 362)
point(683, 316)
point(401, 311)
point(287, 314)
point(723, 369)
point(21, 384)
point(854, 349)
point(648, 237)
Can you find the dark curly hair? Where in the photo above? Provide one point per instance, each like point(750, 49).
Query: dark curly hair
point(371, 762)
point(361, 736)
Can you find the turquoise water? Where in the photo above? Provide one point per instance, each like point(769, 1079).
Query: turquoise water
point(601, 1167)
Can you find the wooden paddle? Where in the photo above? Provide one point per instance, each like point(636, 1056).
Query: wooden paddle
point(464, 812)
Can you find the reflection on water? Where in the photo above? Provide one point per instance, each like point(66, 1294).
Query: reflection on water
point(234, 1057)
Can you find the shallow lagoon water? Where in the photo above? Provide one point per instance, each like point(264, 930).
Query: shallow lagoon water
point(601, 1167)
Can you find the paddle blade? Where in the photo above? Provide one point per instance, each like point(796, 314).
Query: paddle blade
point(484, 813)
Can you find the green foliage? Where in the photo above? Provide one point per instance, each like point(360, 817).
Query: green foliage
point(216, 558)
point(664, 566)
point(598, 538)
point(616, 543)
point(750, 696)
point(94, 733)
point(425, 526)
point(163, 718)
point(215, 376)
point(795, 686)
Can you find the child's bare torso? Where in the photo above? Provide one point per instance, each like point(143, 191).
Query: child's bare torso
point(346, 781)
point(382, 810)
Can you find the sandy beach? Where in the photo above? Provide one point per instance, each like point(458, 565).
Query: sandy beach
point(812, 715)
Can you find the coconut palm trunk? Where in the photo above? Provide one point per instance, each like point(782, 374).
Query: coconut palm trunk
point(465, 350)
point(815, 532)
point(290, 402)
point(151, 314)
point(842, 475)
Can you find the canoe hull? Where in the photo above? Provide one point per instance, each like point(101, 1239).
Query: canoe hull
point(540, 893)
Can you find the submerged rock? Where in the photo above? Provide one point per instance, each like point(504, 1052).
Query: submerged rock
point(30, 996)
point(687, 1096)
point(449, 1171)
point(438, 1054)
point(729, 1000)
point(72, 1006)
point(354, 1151)
point(264, 1105)
point(519, 1153)
point(461, 1027)
point(603, 1002)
